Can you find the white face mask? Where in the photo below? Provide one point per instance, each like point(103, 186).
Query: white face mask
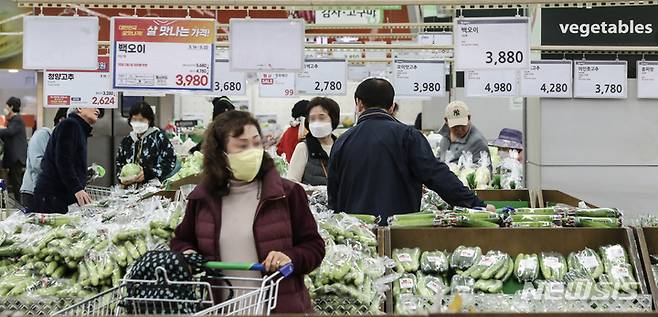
point(139, 127)
point(320, 129)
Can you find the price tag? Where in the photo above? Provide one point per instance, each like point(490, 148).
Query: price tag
point(467, 253)
point(491, 83)
point(419, 78)
point(548, 79)
point(492, 43)
point(79, 88)
point(647, 79)
point(600, 79)
point(162, 53)
point(404, 257)
point(552, 263)
point(588, 261)
point(276, 84)
point(226, 82)
point(406, 283)
point(434, 286)
point(487, 260)
point(322, 77)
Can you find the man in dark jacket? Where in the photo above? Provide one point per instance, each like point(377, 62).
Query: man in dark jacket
point(64, 165)
point(15, 145)
point(379, 166)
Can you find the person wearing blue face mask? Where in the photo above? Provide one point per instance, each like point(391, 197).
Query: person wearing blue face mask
point(146, 146)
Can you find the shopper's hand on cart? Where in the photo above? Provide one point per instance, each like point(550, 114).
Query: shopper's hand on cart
point(275, 260)
point(83, 198)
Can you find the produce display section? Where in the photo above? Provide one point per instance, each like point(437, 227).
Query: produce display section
point(647, 239)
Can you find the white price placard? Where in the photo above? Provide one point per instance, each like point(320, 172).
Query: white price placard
point(419, 78)
point(647, 79)
point(491, 83)
point(547, 79)
point(276, 84)
point(226, 82)
point(162, 53)
point(492, 43)
point(600, 79)
point(79, 88)
point(322, 77)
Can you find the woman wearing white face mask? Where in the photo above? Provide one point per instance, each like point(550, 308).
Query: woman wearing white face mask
point(309, 163)
point(146, 146)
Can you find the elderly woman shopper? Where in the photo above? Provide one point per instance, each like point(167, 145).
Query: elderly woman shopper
point(243, 211)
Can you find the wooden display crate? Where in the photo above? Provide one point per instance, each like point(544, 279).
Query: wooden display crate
point(647, 240)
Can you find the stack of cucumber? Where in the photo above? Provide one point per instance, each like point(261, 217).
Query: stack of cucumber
point(423, 279)
point(81, 254)
point(457, 217)
point(552, 217)
point(490, 272)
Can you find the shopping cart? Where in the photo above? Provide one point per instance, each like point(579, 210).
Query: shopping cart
point(98, 193)
point(257, 300)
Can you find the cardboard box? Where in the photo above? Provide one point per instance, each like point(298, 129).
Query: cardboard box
point(534, 198)
point(647, 240)
point(190, 180)
point(514, 241)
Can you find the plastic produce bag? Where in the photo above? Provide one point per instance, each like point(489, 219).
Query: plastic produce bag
point(511, 171)
point(483, 172)
point(409, 304)
point(428, 287)
point(407, 260)
point(465, 257)
point(467, 172)
point(586, 261)
point(553, 266)
point(462, 284)
point(611, 255)
point(489, 266)
point(526, 267)
point(621, 278)
point(434, 262)
point(406, 284)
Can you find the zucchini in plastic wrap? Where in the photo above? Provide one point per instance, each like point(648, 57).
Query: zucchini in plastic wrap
point(428, 287)
point(613, 254)
point(487, 266)
point(464, 257)
point(407, 260)
point(553, 266)
point(526, 267)
point(406, 284)
point(409, 304)
point(621, 278)
point(587, 261)
point(462, 284)
point(434, 262)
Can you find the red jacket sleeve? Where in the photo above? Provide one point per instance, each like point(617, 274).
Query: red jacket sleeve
point(288, 142)
point(184, 236)
point(308, 250)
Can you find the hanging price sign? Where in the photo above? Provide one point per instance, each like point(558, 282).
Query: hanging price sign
point(647, 79)
point(419, 78)
point(228, 83)
point(162, 53)
point(492, 43)
point(548, 79)
point(79, 88)
point(322, 77)
point(276, 84)
point(600, 79)
point(491, 83)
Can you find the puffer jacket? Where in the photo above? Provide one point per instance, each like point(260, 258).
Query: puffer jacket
point(152, 151)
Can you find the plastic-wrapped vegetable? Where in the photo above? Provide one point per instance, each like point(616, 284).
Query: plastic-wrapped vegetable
point(434, 262)
point(467, 173)
point(407, 260)
point(597, 212)
point(488, 266)
point(526, 267)
point(462, 284)
point(553, 266)
point(483, 173)
point(611, 255)
point(489, 286)
point(464, 257)
point(587, 261)
point(428, 287)
point(408, 304)
point(406, 284)
point(621, 277)
point(579, 284)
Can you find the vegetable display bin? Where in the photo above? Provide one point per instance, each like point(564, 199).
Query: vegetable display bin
point(528, 198)
point(647, 240)
point(519, 240)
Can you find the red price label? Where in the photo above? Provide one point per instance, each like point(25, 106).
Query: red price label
point(191, 80)
point(105, 100)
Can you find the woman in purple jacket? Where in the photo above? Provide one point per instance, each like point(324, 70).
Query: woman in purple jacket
point(243, 211)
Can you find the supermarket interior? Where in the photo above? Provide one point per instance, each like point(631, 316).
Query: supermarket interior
point(329, 157)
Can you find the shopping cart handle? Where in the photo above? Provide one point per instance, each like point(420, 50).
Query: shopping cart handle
point(285, 270)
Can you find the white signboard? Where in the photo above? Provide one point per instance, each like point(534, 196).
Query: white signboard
point(548, 79)
point(491, 83)
point(79, 88)
point(276, 84)
point(600, 79)
point(647, 79)
point(322, 77)
point(434, 38)
point(254, 42)
point(419, 78)
point(227, 82)
point(163, 53)
point(492, 43)
point(364, 16)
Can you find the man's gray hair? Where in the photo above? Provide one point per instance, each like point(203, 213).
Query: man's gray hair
point(71, 110)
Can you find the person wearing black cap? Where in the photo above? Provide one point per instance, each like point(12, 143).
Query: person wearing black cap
point(219, 105)
point(295, 133)
point(15, 145)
